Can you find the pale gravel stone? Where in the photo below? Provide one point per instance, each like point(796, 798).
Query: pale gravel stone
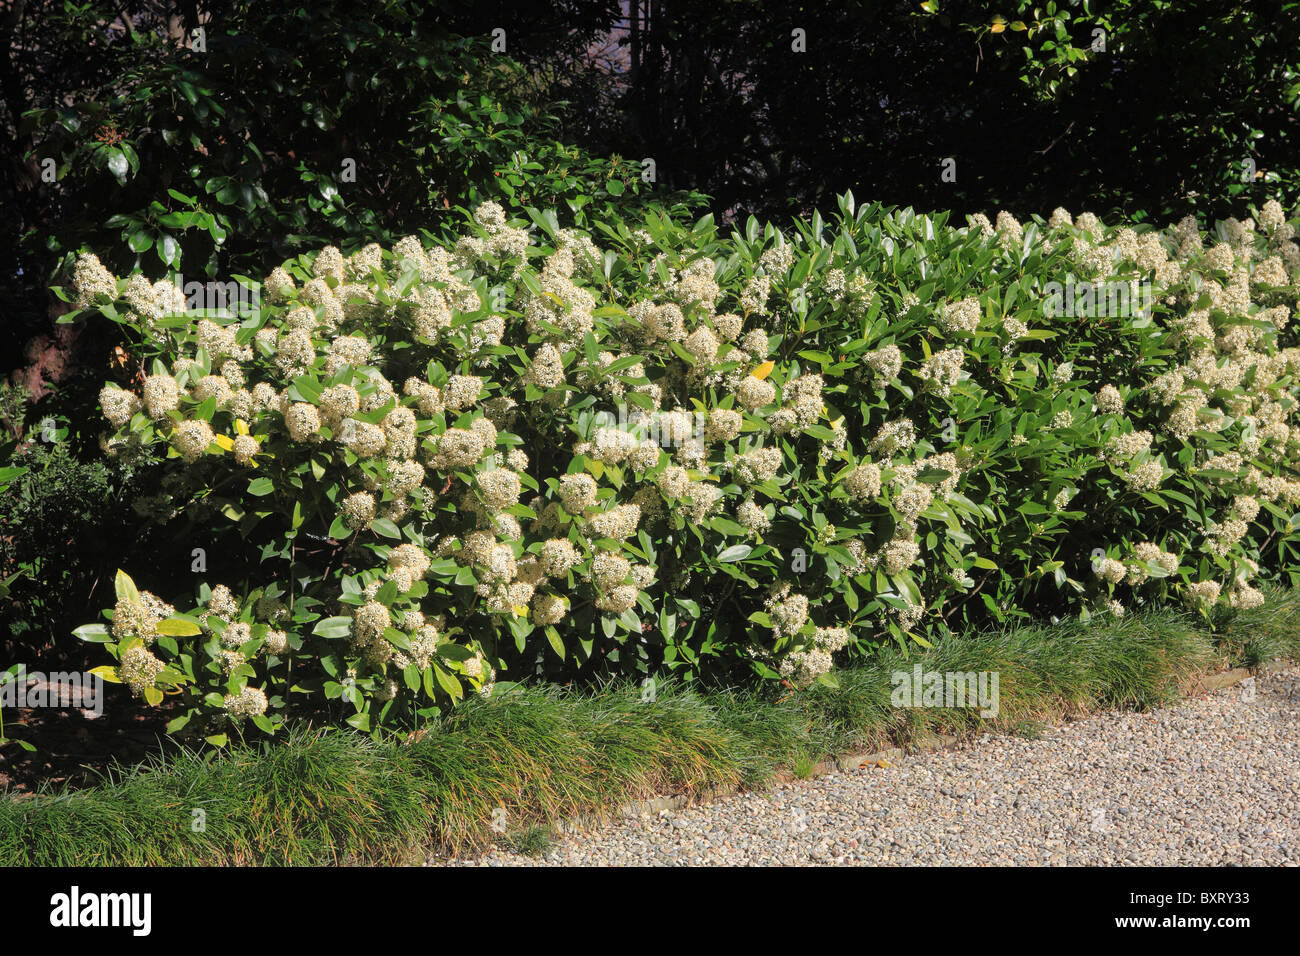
point(1213, 780)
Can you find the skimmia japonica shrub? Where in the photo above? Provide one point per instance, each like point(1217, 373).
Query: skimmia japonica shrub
point(659, 448)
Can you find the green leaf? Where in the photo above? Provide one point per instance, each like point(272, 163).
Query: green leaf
point(448, 683)
point(169, 250)
point(333, 627)
point(691, 607)
point(557, 645)
point(308, 389)
point(93, 633)
point(386, 527)
point(177, 723)
point(737, 552)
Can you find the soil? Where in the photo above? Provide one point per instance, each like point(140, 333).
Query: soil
point(74, 748)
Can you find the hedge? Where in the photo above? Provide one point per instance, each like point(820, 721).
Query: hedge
point(666, 449)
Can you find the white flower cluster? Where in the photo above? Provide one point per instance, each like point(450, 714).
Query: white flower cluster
point(139, 669)
point(804, 666)
point(140, 619)
point(787, 610)
point(963, 316)
point(249, 702)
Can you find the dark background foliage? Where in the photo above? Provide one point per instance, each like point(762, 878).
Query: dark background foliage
point(217, 161)
point(1158, 123)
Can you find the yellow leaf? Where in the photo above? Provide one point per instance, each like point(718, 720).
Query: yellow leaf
point(125, 588)
point(224, 441)
point(241, 426)
point(597, 468)
point(107, 672)
point(998, 25)
point(882, 763)
point(177, 627)
point(153, 696)
point(764, 370)
point(521, 610)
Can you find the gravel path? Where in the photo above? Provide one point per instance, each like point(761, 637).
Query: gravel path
point(1214, 780)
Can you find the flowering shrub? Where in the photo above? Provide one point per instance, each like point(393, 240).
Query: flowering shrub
point(661, 449)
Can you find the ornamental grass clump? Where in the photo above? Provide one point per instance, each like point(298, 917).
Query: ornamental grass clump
point(661, 449)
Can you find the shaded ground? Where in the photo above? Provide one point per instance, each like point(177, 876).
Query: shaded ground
point(73, 745)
